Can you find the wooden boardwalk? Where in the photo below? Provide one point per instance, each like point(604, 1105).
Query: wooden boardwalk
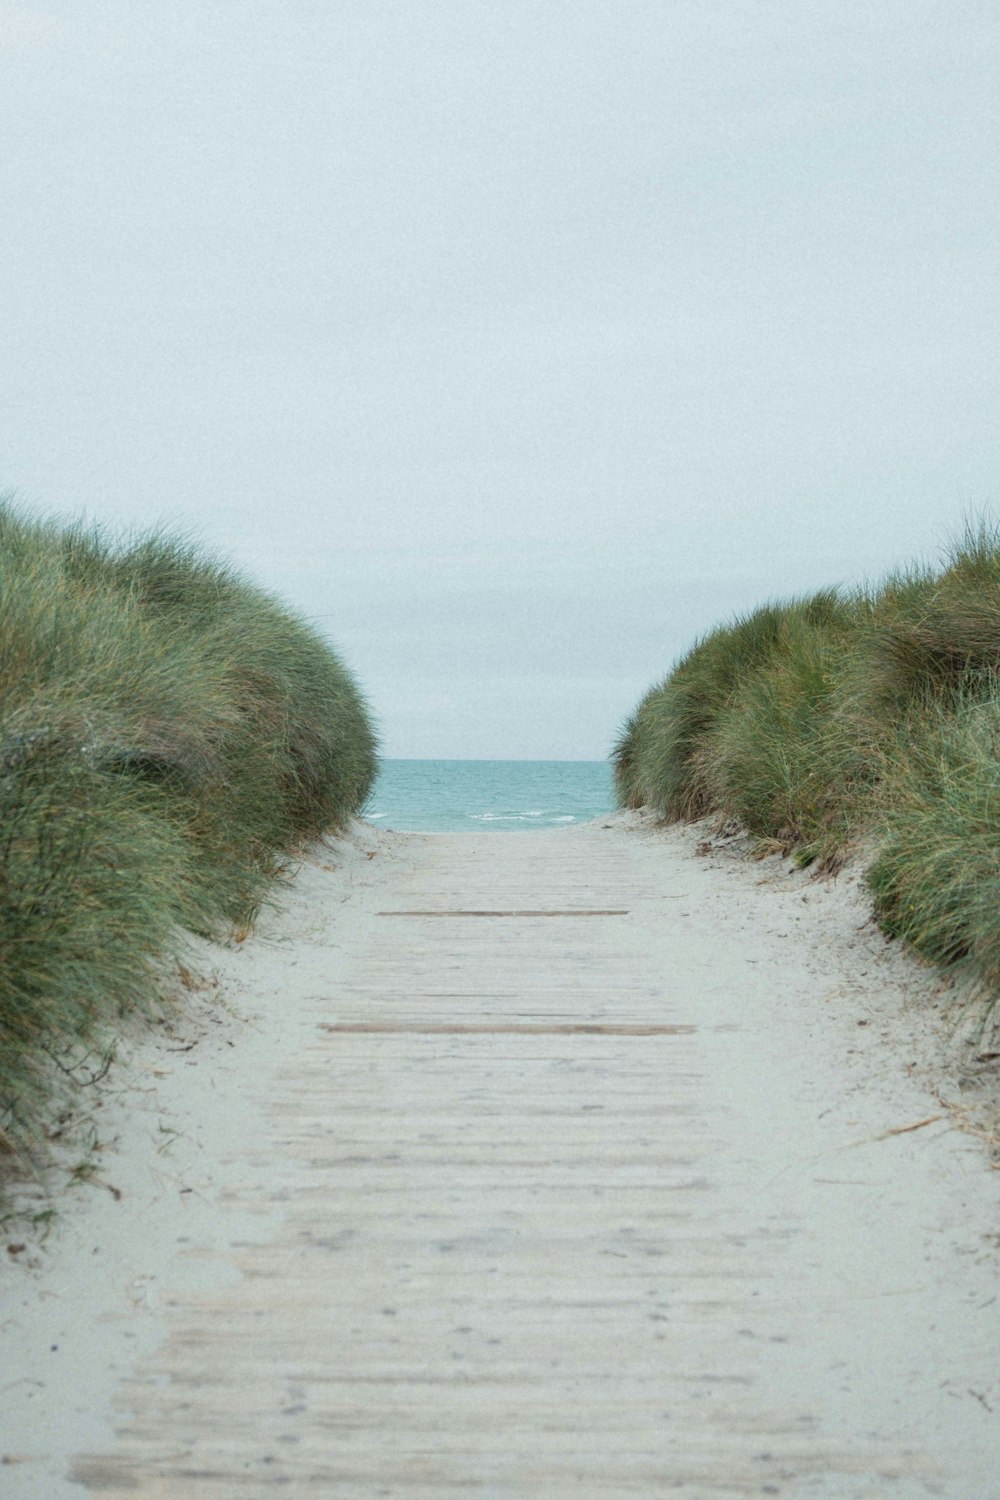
point(517, 1255)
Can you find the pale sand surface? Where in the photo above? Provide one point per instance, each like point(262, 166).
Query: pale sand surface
point(394, 1225)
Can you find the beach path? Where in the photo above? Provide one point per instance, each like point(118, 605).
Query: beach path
point(554, 1197)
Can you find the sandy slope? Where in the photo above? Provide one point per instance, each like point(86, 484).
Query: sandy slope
point(693, 1249)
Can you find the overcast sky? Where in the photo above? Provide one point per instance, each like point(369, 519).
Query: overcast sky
point(515, 342)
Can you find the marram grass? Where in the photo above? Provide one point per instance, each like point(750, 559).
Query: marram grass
point(657, 756)
point(936, 876)
point(776, 758)
point(872, 717)
point(168, 735)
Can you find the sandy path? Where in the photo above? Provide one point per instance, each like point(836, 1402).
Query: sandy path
point(530, 1206)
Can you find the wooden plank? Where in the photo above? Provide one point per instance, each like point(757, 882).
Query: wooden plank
point(512, 1028)
point(568, 912)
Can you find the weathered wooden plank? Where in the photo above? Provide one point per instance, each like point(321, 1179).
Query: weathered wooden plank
point(567, 912)
point(511, 1028)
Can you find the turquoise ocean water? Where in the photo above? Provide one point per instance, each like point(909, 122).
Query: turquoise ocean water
point(502, 796)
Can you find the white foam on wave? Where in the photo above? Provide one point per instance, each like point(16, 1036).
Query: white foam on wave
point(524, 817)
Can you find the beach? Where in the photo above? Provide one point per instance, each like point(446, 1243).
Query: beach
point(602, 1161)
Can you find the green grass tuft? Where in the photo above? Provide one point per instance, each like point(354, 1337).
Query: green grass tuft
point(168, 735)
point(822, 722)
point(777, 758)
point(936, 877)
point(657, 761)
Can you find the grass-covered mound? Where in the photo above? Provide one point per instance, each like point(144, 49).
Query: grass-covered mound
point(168, 733)
point(871, 715)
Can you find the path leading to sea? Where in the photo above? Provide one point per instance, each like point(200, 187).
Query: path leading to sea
point(555, 1200)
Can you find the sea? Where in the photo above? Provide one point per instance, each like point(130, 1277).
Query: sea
point(499, 796)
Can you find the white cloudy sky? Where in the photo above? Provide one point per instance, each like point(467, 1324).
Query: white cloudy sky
point(514, 341)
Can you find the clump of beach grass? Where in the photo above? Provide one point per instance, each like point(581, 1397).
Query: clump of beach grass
point(869, 717)
point(936, 876)
point(169, 734)
point(778, 757)
point(749, 726)
point(657, 760)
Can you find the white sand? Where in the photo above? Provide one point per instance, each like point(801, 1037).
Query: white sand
point(714, 1262)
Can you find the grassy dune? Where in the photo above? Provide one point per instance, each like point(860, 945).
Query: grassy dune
point(168, 733)
point(869, 715)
